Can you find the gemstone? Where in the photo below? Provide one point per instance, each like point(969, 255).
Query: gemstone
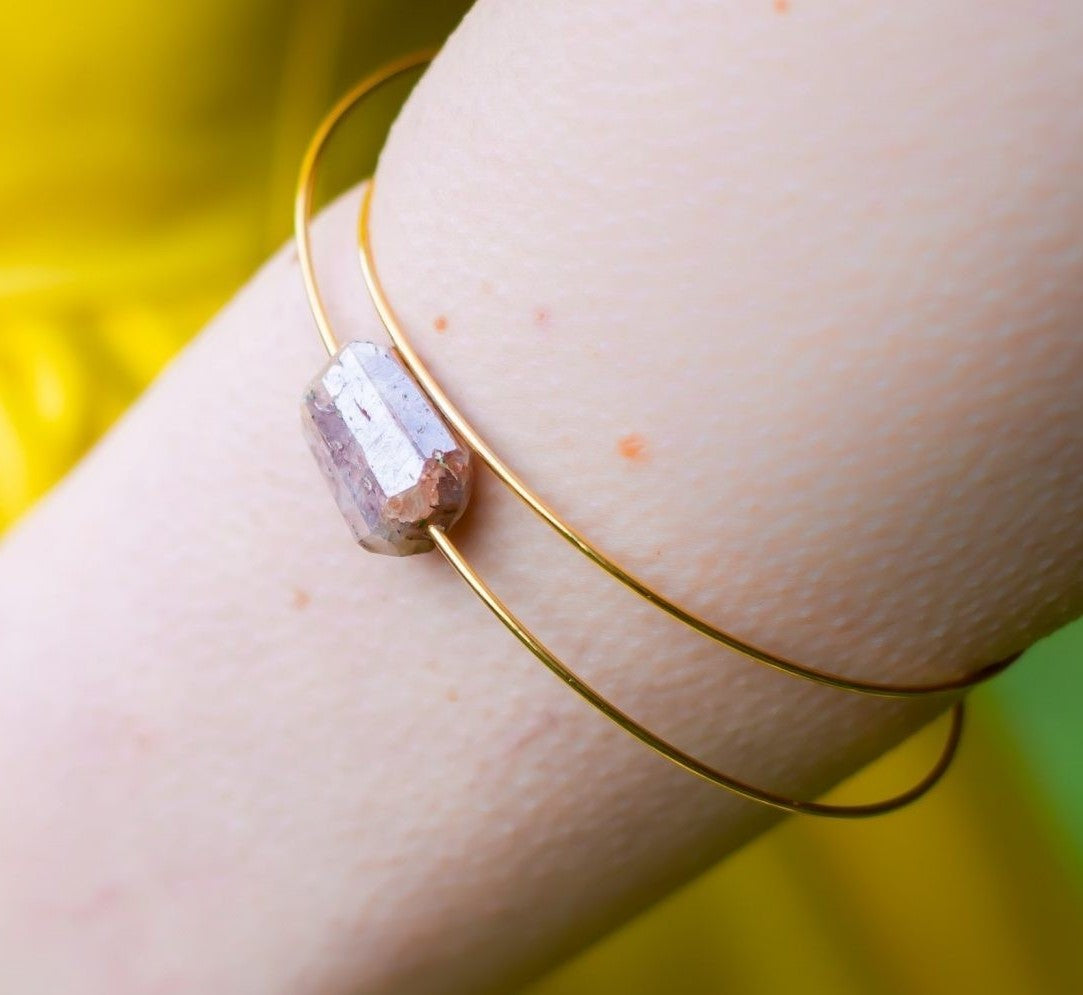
point(392, 463)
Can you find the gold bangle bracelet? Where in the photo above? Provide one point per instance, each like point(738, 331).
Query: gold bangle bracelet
point(434, 526)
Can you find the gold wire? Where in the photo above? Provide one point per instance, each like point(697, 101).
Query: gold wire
point(514, 483)
point(412, 361)
point(306, 182)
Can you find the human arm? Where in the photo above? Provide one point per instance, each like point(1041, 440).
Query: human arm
point(801, 351)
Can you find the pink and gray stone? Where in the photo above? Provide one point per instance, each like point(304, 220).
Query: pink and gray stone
point(392, 463)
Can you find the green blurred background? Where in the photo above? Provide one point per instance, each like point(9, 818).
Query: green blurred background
point(149, 156)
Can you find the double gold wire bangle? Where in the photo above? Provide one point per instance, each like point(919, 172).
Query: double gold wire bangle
point(442, 403)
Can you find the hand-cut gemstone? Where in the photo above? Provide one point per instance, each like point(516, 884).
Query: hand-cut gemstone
point(393, 465)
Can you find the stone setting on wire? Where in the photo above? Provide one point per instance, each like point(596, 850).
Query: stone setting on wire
point(391, 461)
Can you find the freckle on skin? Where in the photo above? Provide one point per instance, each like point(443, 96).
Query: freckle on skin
point(301, 599)
point(541, 316)
point(632, 447)
point(440, 323)
point(782, 6)
point(452, 694)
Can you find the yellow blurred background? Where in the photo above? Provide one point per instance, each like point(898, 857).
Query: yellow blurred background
point(149, 156)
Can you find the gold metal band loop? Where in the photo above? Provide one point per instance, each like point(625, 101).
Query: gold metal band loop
point(412, 361)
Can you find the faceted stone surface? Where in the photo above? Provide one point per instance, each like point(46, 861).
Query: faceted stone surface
point(392, 463)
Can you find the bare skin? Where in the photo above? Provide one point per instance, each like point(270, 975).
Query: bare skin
point(781, 306)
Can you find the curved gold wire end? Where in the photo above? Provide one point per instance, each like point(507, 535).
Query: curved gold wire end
point(412, 361)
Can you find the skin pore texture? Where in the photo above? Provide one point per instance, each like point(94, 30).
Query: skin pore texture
point(781, 305)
